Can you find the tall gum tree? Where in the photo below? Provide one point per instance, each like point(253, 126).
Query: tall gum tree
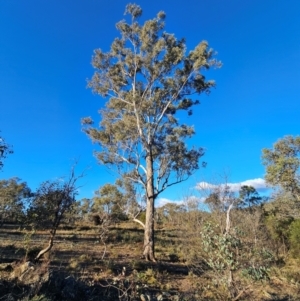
point(147, 78)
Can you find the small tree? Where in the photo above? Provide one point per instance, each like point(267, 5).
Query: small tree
point(148, 79)
point(108, 200)
point(118, 201)
point(50, 203)
point(13, 194)
point(249, 197)
point(279, 214)
point(282, 165)
point(170, 212)
point(84, 208)
point(5, 149)
point(73, 215)
point(221, 200)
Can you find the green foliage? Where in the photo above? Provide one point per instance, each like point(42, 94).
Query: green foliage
point(148, 79)
point(222, 249)
point(5, 149)
point(169, 212)
point(149, 277)
point(27, 244)
point(13, 196)
point(282, 170)
point(279, 227)
point(214, 202)
point(282, 164)
point(221, 198)
point(248, 197)
point(107, 197)
point(232, 253)
point(142, 216)
point(51, 201)
point(118, 201)
point(280, 213)
point(257, 273)
point(82, 209)
point(258, 266)
point(294, 237)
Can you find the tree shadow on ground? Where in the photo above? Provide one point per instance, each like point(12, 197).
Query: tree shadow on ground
point(11, 253)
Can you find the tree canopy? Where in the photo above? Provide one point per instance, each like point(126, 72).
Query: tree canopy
point(282, 164)
point(5, 149)
point(13, 194)
point(50, 203)
point(248, 197)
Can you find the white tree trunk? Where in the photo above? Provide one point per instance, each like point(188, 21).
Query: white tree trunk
point(149, 224)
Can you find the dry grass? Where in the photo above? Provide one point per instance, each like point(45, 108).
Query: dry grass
point(79, 253)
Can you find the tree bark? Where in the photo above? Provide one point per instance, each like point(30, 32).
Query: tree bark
point(228, 219)
point(149, 224)
point(47, 249)
point(139, 222)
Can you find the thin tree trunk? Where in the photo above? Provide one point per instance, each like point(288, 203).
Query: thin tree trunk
point(228, 219)
point(47, 249)
point(139, 222)
point(149, 224)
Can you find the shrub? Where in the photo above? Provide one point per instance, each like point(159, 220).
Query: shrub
point(294, 237)
point(257, 273)
point(279, 228)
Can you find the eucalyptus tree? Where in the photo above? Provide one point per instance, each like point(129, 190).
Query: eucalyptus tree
point(50, 204)
point(84, 208)
point(249, 197)
point(283, 165)
point(106, 199)
point(222, 200)
point(13, 196)
point(117, 201)
point(5, 149)
point(147, 79)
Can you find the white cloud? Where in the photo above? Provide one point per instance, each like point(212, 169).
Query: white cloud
point(163, 201)
point(258, 184)
point(186, 201)
point(205, 185)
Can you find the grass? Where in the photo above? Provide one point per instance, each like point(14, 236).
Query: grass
point(78, 253)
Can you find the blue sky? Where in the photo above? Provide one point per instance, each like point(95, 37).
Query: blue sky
point(45, 54)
